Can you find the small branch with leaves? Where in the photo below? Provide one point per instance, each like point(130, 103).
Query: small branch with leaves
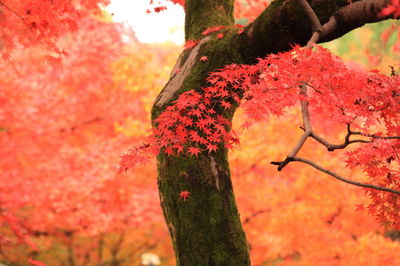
point(319, 31)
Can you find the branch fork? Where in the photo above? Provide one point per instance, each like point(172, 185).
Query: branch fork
point(318, 31)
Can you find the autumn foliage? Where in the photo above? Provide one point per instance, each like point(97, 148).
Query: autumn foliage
point(63, 132)
point(340, 94)
point(74, 97)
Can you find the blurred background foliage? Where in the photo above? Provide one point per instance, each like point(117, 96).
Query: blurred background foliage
point(294, 217)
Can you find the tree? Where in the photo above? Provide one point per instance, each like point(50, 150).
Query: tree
point(195, 187)
point(192, 121)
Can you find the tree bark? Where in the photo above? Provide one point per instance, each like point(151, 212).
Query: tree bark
point(206, 228)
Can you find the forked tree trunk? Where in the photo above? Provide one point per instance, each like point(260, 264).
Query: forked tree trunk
point(206, 228)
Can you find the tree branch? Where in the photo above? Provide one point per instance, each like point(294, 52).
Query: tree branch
point(15, 13)
point(316, 24)
point(5, 256)
point(85, 123)
point(373, 136)
point(353, 16)
point(307, 128)
point(282, 24)
point(338, 177)
point(347, 141)
point(349, 14)
point(303, 89)
point(253, 215)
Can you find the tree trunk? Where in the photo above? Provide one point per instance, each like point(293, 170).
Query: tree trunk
point(206, 227)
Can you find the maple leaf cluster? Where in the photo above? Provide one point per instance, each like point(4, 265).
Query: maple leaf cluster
point(393, 8)
point(192, 124)
point(29, 23)
point(339, 93)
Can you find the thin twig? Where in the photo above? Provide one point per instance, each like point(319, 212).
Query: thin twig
point(395, 152)
point(15, 13)
point(5, 256)
point(85, 123)
point(312, 87)
point(307, 128)
point(304, 110)
point(338, 177)
point(347, 141)
point(316, 24)
point(373, 136)
point(249, 218)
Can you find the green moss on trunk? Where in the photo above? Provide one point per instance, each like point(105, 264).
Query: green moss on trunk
point(205, 228)
point(202, 14)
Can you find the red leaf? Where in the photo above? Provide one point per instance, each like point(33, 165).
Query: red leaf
point(193, 151)
point(190, 44)
point(226, 105)
point(184, 195)
point(212, 29)
point(36, 262)
point(211, 147)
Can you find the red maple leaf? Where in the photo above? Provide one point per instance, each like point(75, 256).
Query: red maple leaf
point(179, 148)
point(211, 147)
point(190, 44)
point(193, 151)
point(393, 8)
point(226, 105)
point(184, 195)
point(360, 207)
point(36, 262)
point(160, 8)
point(212, 29)
point(169, 150)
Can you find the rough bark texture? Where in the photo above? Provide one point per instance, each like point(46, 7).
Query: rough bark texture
point(206, 228)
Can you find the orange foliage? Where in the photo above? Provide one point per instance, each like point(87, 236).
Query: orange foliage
point(300, 216)
point(64, 126)
point(65, 123)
